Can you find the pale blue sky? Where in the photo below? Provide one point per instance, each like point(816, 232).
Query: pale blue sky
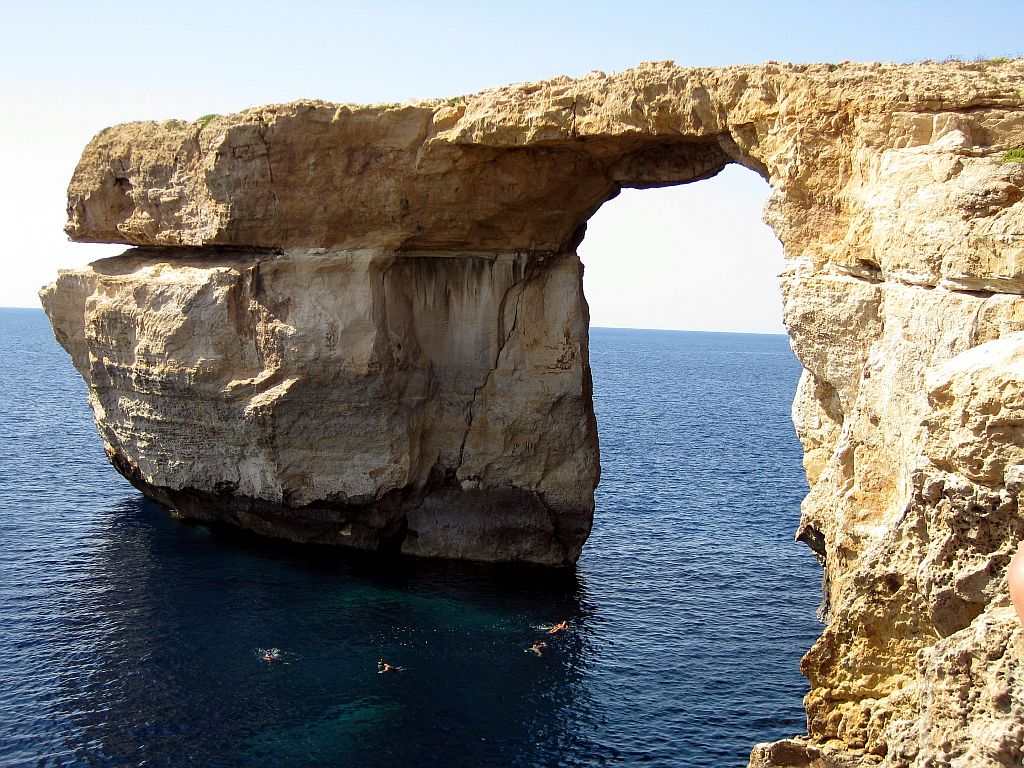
point(73, 68)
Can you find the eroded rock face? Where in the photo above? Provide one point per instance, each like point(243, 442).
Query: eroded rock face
point(364, 398)
point(366, 326)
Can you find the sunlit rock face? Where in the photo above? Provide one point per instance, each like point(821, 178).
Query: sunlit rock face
point(365, 398)
point(365, 326)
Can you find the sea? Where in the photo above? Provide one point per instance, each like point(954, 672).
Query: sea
point(129, 638)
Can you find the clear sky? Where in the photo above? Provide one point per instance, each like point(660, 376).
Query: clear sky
point(687, 257)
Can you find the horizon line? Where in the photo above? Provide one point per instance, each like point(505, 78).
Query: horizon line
point(591, 327)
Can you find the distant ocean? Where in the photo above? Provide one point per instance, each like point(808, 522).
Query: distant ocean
point(129, 638)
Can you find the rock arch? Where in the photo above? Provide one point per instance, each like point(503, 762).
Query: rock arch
point(365, 325)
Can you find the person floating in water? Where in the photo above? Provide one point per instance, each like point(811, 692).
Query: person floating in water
point(561, 627)
point(537, 647)
point(383, 666)
point(270, 655)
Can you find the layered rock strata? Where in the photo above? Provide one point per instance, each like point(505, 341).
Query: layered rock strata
point(365, 325)
point(373, 399)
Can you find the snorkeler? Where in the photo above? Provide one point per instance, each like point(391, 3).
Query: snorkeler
point(558, 628)
point(537, 647)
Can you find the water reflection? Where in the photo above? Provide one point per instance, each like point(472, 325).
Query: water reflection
point(169, 617)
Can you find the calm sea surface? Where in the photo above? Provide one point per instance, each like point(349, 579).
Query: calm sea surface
point(128, 638)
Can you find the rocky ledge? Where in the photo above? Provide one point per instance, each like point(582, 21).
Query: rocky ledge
point(365, 326)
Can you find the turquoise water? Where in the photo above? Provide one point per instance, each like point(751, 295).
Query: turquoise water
point(129, 638)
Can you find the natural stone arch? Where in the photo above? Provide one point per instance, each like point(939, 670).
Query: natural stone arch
point(365, 325)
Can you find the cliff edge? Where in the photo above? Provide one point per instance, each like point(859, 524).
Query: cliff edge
point(366, 326)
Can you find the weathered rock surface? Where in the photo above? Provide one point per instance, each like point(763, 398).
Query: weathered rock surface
point(365, 398)
point(365, 325)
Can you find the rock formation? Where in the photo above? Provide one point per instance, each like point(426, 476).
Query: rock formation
point(365, 325)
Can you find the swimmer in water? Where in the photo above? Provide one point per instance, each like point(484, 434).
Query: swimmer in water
point(271, 655)
point(537, 647)
point(559, 628)
point(383, 666)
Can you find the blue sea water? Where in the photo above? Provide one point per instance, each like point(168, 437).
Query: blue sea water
point(129, 638)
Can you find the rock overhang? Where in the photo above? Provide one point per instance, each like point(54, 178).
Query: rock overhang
point(515, 168)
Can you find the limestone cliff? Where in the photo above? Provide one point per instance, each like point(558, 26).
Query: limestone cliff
point(365, 325)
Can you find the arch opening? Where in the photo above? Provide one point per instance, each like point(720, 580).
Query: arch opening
point(701, 470)
point(699, 258)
